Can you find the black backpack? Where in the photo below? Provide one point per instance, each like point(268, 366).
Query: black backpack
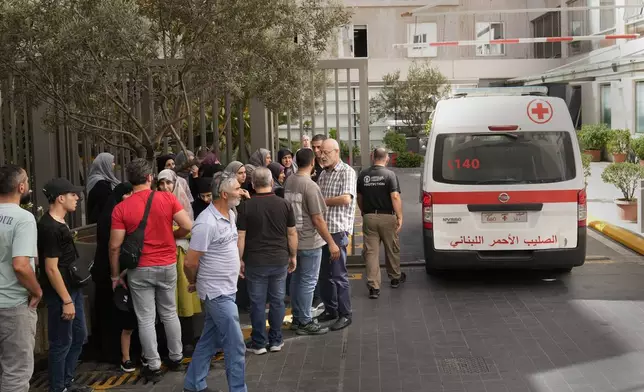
point(133, 243)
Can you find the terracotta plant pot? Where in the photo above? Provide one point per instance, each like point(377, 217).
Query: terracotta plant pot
point(641, 162)
point(595, 154)
point(617, 158)
point(627, 210)
point(392, 159)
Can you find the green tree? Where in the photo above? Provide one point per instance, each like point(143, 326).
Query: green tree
point(410, 101)
point(134, 69)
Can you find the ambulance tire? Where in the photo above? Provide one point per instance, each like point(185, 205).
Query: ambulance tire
point(563, 271)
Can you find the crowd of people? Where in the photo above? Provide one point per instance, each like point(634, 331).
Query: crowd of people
point(196, 238)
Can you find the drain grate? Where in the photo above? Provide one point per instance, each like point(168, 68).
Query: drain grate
point(462, 365)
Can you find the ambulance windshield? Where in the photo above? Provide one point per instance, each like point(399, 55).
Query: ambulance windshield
point(512, 158)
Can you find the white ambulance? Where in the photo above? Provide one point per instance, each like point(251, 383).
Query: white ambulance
point(503, 184)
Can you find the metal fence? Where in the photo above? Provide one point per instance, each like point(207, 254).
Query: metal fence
point(49, 149)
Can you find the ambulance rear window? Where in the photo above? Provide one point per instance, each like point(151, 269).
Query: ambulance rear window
point(504, 158)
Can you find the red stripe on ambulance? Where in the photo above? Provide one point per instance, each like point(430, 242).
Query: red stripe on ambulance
point(516, 197)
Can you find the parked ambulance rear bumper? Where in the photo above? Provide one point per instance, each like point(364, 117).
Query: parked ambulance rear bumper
point(536, 259)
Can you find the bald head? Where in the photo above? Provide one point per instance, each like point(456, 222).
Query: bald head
point(330, 144)
point(380, 155)
point(330, 153)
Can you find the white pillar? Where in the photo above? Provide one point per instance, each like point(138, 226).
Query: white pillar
point(565, 29)
point(594, 21)
point(620, 24)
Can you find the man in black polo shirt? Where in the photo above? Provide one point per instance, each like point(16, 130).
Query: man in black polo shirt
point(268, 250)
point(381, 206)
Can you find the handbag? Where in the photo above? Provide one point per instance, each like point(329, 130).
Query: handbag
point(133, 243)
point(79, 272)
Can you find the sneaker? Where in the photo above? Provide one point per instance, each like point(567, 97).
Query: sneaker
point(153, 376)
point(374, 293)
point(275, 348)
point(174, 366)
point(128, 366)
point(312, 328)
point(396, 282)
point(327, 316)
point(255, 349)
point(342, 323)
point(317, 310)
point(317, 302)
point(295, 325)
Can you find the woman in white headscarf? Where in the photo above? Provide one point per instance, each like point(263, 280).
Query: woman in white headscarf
point(100, 183)
point(168, 180)
point(188, 304)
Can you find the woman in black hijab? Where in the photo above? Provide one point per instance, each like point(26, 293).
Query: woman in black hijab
point(111, 328)
point(204, 198)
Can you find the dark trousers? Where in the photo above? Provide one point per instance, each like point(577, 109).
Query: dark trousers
point(266, 283)
point(334, 278)
point(66, 339)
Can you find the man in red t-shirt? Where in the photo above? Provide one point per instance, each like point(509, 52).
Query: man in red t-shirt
point(153, 283)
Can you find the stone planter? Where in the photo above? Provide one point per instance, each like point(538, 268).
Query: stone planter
point(626, 210)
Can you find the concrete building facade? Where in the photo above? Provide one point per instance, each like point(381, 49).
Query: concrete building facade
point(581, 72)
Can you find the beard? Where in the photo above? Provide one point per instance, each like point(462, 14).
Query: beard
point(234, 202)
point(25, 198)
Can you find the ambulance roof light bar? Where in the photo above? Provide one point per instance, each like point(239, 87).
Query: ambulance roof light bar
point(500, 91)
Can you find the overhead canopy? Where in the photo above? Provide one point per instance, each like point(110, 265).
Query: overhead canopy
point(587, 70)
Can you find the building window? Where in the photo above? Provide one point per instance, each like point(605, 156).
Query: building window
point(421, 33)
point(547, 25)
point(639, 107)
point(360, 41)
point(607, 16)
point(486, 31)
point(605, 104)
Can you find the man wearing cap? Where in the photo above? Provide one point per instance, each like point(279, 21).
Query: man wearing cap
point(20, 292)
point(65, 309)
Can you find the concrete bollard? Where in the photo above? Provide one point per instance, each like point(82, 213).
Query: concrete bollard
point(640, 206)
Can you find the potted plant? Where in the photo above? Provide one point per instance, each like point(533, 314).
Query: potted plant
point(396, 143)
point(619, 144)
point(585, 164)
point(593, 138)
point(638, 148)
point(625, 176)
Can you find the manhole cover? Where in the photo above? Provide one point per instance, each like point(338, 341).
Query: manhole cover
point(462, 365)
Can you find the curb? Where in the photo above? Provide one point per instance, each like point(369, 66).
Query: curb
point(625, 237)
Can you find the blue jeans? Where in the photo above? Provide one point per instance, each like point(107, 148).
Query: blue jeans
point(266, 283)
point(334, 278)
point(221, 329)
point(66, 339)
point(303, 282)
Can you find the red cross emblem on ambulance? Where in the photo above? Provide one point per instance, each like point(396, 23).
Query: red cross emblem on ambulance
point(539, 111)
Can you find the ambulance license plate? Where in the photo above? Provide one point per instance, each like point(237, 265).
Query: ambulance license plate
point(504, 217)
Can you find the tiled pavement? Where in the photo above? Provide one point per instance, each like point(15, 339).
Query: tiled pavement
point(492, 332)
